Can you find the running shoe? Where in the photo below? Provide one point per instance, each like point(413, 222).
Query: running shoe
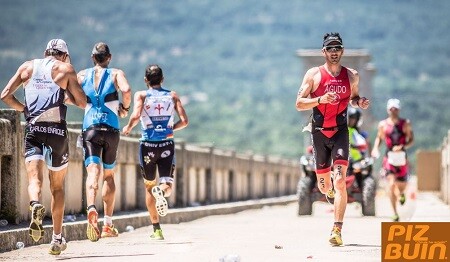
point(109, 231)
point(335, 237)
point(157, 235)
point(395, 218)
point(36, 231)
point(402, 199)
point(57, 245)
point(330, 196)
point(92, 231)
point(161, 202)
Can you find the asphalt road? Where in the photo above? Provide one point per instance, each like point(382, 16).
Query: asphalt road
point(273, 233)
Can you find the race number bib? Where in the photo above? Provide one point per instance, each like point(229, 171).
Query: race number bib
point(397, 158)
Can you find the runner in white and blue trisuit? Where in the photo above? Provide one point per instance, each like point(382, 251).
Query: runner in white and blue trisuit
point(47, 84)
point(155, 108)
point(101, 134)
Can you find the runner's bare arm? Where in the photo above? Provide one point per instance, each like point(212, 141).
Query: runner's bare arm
point(376, 144)
point(183, 122)
point(409, 134)
point(80, 78)
point(74, 91)
point(22, 74)
point(355, 99)
point(139, 98)
point(303, 101)
point(354, 86)
point(124, 87)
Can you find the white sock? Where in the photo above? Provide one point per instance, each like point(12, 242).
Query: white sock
point(107, 220)
point(55, 236)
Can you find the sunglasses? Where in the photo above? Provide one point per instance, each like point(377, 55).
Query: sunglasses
point(333, 48)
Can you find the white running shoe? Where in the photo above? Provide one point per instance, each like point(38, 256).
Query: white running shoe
point(57, 245)
point(161, 202)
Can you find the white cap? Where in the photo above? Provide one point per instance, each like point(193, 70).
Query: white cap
point(393, 102)
point(58, 44)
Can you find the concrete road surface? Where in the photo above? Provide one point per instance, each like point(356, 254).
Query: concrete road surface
point(273, 233)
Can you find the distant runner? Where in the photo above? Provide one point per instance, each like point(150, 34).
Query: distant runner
point(156, 108)
point(397, 134)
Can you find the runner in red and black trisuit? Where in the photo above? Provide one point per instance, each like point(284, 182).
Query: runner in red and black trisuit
point(327, 90)
point(329, 126)
point(398, 136)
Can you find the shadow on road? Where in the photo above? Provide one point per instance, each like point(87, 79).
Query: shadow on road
point(100, 256)
point(360, 245)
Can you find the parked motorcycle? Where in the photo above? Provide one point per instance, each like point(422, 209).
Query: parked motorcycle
point(361, 186)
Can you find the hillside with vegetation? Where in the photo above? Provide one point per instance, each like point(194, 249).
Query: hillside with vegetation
point(234, 62)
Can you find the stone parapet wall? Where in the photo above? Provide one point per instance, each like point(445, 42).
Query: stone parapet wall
point(204, 175)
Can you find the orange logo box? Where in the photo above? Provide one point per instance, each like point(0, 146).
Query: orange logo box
point(418, 241)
